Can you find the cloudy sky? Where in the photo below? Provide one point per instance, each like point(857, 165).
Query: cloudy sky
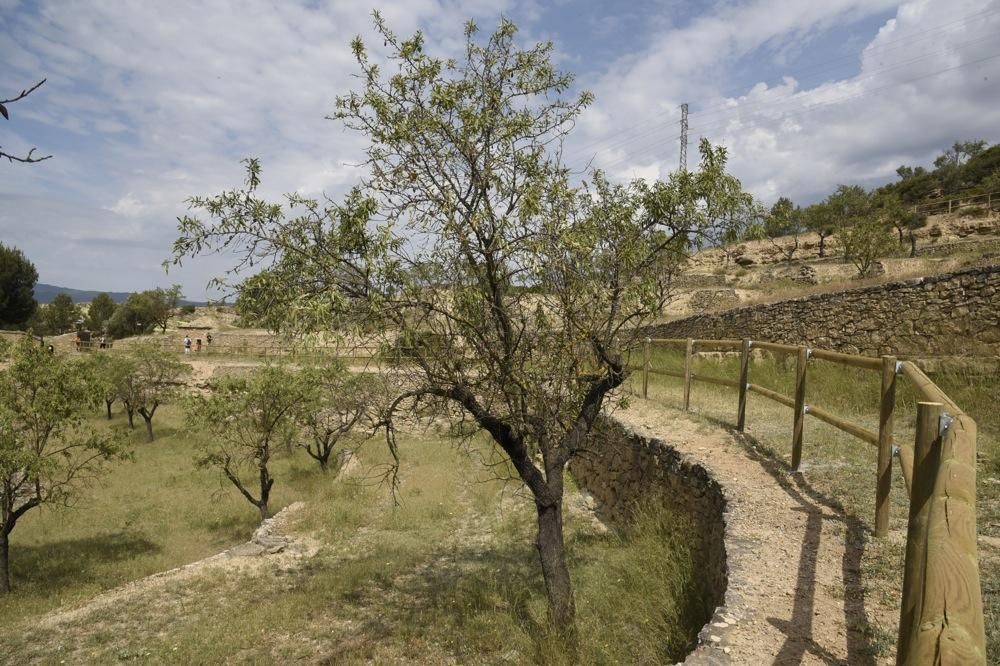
point(147, 103)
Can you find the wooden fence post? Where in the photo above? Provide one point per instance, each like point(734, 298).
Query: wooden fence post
point(800, 406)
point(941, 615)
point(687, 373)
point(741, 410)
point(645, 368)
point(883, 479)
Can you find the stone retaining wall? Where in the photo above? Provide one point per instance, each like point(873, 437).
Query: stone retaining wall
point(627, 467)
point(954, 313)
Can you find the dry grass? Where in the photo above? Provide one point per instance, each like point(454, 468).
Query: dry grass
point(449, 576)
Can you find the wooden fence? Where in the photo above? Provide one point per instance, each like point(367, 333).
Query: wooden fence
point(243, 349)
point(941, 613)
point(951, 205)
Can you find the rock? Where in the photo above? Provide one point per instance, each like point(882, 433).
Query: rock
point(745, 261)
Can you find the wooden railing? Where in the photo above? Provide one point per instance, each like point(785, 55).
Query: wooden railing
point(243, 349)
point(941, 613)
point(953, 204)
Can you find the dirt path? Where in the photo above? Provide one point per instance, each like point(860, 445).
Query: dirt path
point(794, 593)
point(271, 546)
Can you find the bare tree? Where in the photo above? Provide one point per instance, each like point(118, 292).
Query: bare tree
point(29, 158)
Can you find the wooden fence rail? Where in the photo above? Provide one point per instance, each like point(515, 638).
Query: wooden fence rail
point(941, 614)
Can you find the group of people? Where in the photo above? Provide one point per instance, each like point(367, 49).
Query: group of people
point(187, 343)
point(79, 342)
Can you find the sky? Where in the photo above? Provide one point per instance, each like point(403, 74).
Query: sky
point(148, 103)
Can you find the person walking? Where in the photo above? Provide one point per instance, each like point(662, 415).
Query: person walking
point(187, 344)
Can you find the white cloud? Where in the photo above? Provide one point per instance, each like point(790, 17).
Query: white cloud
point(147, 104)
point(800, 141)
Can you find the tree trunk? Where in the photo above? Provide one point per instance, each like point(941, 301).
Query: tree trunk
point(109, 403)
point(552, 552)
point(822, 246)
point(913, 245)
point(265, 492)
point(149, 427)
point(4, 562)
point(131, 414)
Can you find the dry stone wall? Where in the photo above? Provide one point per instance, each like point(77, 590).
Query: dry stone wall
point(625, 467)
point(951, 314)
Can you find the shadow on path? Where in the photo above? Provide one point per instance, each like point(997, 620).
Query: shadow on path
point(817, 507)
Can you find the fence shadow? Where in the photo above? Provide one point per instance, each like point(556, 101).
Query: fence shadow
point(818, 508)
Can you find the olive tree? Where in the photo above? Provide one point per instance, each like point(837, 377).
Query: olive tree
point(518, 295)
point(246, 416)
point(46, 451)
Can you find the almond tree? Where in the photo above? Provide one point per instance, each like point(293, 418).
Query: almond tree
point(339, 403)
point(246, 416)
point(111, 375)
point(46, 452)
point(154, 379)
point(518, 295)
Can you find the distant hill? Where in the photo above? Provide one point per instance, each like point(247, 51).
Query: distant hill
point(44, 293)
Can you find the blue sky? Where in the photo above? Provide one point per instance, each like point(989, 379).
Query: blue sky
point(147, 103)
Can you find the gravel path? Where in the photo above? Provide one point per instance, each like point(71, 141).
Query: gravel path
point(794, 593)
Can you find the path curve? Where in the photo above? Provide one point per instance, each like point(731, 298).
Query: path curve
point(794, 594)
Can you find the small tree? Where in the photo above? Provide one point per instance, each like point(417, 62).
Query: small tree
point(782, 225)
point(904, 219)
point(865, 242)
point(819, 219)
point(847, 205)
point(17, 287)
point(162, 303)
point(341, 401)
point(152, 381)
point(46, 452)
point(112, 376)
point(100, 312)
point(246, 417)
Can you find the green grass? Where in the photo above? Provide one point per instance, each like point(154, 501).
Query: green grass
point(450, 574)
point(842, 468)
point(149, 515)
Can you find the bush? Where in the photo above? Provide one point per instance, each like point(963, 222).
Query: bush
point(973, 211)
point(187, 309)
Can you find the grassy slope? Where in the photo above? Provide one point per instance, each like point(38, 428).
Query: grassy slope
point(843, 468)
point(449, 575)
